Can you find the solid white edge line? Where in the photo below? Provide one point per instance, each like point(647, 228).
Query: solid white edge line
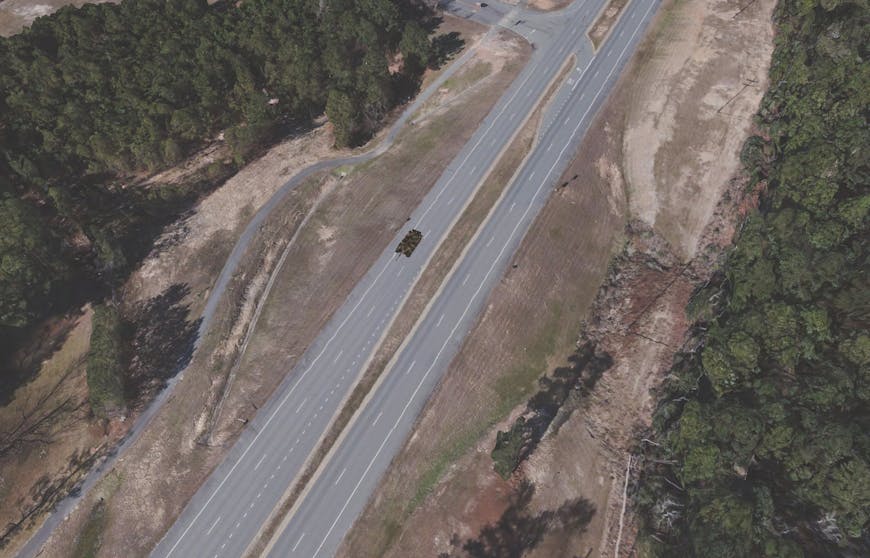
point(295, 546)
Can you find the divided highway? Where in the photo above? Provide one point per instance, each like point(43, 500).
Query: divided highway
point(227, 512)
point(349, 478)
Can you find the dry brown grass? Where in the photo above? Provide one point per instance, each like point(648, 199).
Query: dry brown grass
point(47, 435)
point(608, 17)
point(18, 14)
point(681, 149)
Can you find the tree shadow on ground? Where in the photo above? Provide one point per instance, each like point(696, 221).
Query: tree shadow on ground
point(444, 47)
point(517, 531)
point(584, 369)
point(23, 351)
point(161, 342)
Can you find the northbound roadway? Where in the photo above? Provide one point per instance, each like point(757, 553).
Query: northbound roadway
point(228, 511)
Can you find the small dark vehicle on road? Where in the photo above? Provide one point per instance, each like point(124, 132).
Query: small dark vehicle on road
point(411, 240)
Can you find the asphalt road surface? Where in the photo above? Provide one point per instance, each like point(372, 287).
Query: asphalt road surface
point(227, 512)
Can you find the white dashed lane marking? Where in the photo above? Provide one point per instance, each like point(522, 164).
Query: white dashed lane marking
point(295, 546)
point(339, 476)
point(210, 529)
point(300, 405)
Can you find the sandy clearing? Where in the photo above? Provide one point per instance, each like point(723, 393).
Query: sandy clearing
point(692, 76)
point(18, 14)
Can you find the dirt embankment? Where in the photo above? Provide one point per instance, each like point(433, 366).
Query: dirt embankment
point(356, 217)
point(548, 5)
point(613, 259)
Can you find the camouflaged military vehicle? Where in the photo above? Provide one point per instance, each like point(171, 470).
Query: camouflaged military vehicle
point(411, 240)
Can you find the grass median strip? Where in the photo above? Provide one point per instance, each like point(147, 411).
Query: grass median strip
point(605, 22)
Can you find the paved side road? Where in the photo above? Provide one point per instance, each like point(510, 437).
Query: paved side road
point(349, 478)
point(230, 508)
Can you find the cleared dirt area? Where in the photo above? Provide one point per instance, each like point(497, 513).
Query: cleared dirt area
point(683, 139)
point(15, 15)
point(356, 217)
point(610, 263)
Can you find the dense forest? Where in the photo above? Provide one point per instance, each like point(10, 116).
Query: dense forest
point(760, 444)
point(92, 98)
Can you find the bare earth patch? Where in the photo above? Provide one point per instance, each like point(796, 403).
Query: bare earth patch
point(682, 140)
point(17, 14)
point(679, 155)
point(354, 220)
